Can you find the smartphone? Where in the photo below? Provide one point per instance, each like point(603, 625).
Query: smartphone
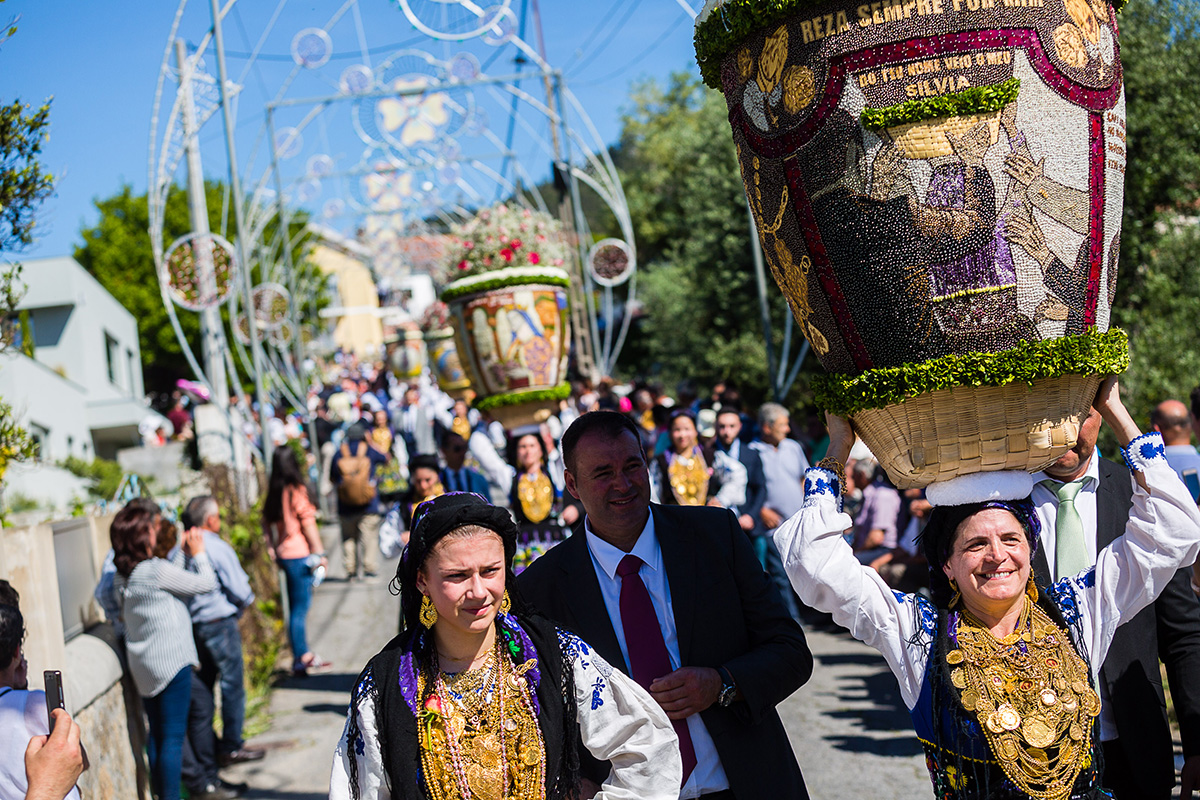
point(54, 694)
point(1192, 481)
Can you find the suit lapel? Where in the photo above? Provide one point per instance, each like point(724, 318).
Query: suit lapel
point(679, 560)
point(1110, 516)
point(582, 590)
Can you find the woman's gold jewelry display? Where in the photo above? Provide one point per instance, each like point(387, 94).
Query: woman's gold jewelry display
point(689, 479)
point(1031, 694)
point(483, 741)
point(536, 495)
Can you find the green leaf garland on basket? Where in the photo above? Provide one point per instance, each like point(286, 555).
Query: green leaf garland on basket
point(548, 278)
point(729, 25)
point(1088, 353)
point(976, 100)
point(560, 392)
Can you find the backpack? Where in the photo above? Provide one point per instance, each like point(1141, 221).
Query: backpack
point(356, 488)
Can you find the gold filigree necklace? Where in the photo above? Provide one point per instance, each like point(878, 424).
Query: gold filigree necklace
point(1030, 693)
point(688, 476)
point(536, 496)
point(480, 737)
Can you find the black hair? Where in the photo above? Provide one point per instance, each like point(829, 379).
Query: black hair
point(285, 472)
point(423, 462)
point(12, 633)
point(8, 595)
point(511, 449)
point(609, 424)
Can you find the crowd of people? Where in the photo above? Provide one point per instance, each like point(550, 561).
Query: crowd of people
point(609, 603)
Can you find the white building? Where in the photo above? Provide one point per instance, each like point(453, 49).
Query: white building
point(81, 394)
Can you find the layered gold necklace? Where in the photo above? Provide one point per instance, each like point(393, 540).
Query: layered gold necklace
point(481, 739)
point(536, 495)
point(688, 476)
point(1031, 694)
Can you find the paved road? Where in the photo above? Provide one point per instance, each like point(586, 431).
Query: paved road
point(848, 726)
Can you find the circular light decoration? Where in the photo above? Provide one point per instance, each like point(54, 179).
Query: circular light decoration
point(281, 337)
point(464, 67)
point(288, 142)
point(503, 29)
point(307, 191)
point(241, 328)
point(312, 48)
point(319, 166)
point(356, 79)
point(452, 20)
point(271, 302)
point(333, 208)
point(185, 279)
point(610, 262)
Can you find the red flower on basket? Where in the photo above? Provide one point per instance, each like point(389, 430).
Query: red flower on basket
point(506, 254)
point(534, 258)
point(515, 244)
point(504, 237)
point(462, 265)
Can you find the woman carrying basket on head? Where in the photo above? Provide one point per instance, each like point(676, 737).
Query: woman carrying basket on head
point(998, 671)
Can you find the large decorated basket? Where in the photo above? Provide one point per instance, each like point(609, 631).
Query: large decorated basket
point(937, 186)
point(406, 354)
point(509, 313)
point(442, 350)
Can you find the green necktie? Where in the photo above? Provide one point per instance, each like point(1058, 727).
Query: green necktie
point(1070, 550)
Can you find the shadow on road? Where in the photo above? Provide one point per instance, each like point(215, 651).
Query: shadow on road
point(899, 746)
point(327, 708)
point(330, 682)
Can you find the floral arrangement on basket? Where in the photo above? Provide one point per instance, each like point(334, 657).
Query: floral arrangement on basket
point(436, 317)
point(507, 236)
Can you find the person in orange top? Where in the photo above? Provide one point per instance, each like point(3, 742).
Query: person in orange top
point(290, 524)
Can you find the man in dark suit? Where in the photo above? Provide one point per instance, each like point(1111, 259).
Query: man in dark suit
point(1136, 738)
point(680, 589)
point(456, 476)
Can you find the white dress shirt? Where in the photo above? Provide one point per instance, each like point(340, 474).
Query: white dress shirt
point(708, 776)
point(1046, 504)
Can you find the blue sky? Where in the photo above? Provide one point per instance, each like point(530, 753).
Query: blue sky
point(100, 62)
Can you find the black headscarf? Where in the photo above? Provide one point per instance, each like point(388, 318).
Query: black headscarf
point(938, 537)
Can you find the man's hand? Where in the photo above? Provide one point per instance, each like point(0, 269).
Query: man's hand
point(53, 763)
point(1189, 778)
point(747, 522)
point(687, 691)
point(770, 517)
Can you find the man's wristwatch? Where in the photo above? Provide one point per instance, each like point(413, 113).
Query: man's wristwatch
point(728, 688)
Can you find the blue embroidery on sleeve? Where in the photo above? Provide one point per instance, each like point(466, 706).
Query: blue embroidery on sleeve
point(597, 690)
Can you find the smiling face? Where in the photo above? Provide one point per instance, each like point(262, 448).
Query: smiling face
point(423, 481)
point(529, 451)
point(613, 482)
point(464, 579)
point(683, 434)
point(989, 560)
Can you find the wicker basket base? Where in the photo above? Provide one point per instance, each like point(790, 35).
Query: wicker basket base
point(968, 429)
point(525, 414)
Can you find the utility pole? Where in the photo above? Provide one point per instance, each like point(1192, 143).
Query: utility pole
point(235, 188)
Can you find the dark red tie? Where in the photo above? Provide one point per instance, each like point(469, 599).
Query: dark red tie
point(648, 657)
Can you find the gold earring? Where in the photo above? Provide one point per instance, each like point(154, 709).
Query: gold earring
point(957, 594)
point(1031, 590)
point(428, 615)
point(505, 603)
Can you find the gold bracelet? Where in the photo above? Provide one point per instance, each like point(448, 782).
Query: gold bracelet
point(836, 467)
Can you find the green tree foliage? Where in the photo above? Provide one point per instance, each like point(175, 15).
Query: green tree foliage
point(24, 184)
point(679, 170)
point(1158, 295)
point(116, 251)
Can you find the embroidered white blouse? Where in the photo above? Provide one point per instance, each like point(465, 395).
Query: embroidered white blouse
point(618, 722)
point(1163, 534)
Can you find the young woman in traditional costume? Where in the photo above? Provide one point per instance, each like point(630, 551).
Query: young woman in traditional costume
point(682, 476)
point(480, 697)
point(997, 671)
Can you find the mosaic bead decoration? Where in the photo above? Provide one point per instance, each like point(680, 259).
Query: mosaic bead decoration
point(921, 236)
